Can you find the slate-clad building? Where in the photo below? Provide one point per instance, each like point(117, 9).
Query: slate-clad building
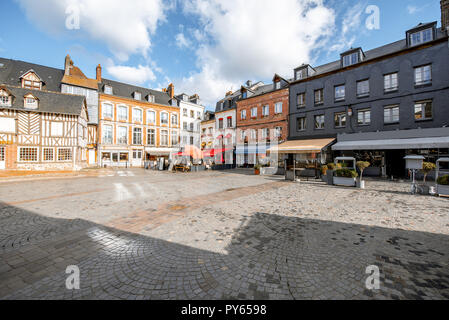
point(376, 105)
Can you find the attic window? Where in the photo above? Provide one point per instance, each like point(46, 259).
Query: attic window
point(277, 85)
point(185, 98)
point(137, 95)
point(108, 89)
point(421, 37)
point(244, 95)
point(350, 59)
point(150, 98)
point(30, 102)
point(31, 80)
point(5, 99)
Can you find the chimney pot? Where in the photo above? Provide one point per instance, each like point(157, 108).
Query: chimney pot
point(99, 73)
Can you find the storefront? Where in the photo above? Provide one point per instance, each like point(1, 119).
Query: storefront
point(115, 158)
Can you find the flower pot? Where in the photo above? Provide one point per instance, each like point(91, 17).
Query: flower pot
point(257, 172)
point(443, 190)
point(347, 182)
point(424, 189)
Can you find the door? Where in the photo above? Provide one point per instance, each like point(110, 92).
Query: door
point(2, 158)
point(395, 163)
point(137, 158)
point(91, 157)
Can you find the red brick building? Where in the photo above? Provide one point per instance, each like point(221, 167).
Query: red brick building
point(262, 118)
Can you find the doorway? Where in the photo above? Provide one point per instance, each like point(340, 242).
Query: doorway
point(2, 158)
point(395, 163)
point(137, 158)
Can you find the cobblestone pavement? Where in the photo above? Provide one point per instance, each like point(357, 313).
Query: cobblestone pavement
point(219, 235)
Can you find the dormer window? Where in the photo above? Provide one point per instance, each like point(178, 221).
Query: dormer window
point(150, 98)
point(5, 98)
point(304, 71)
point(31, 80)
point(137, 96)
point(421, 37)
point(351, 57)
point(108, 89)
point(244, 95)
point(185, 98)
point(277, 85)
point(31, 102)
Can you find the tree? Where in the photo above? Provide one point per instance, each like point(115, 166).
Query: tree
point(362, 165)
point(427, 167)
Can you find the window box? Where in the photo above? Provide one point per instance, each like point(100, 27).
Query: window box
point(347, 182)
point(443, 190)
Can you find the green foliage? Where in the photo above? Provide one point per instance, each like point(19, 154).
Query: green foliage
point(428, 167)
point(331, 166)
point(444, 180)
point(362, 165)
point(346, 173)
point(257, 167)
point(324, 169)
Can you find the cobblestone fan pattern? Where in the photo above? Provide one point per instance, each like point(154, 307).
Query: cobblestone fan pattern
point(244, 237)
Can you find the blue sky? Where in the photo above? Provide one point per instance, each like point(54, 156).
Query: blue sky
point(202, 46)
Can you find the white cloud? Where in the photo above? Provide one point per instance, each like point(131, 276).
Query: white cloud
point(132, 75)
point(182, 41)
point(412, 9)
point(125, 26)
point(253, 39)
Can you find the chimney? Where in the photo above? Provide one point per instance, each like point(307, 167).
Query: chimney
point(229, 93)
point(171, 90)
point(444, 15)
point(68, 63)
point(249, 83)
point(99, 73)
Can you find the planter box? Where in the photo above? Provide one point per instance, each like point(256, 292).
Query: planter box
point(256, 172)
point(330, 177)
point(290, 175)
point(442, 190)
point(347, 182)
point(268, 171)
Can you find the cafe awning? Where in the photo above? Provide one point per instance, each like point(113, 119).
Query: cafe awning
point(393, 144)
point(302, 146)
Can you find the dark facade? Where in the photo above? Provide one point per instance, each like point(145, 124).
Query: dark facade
point(372, 102)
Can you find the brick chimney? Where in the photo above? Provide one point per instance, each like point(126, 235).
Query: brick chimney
point(68, 64)
point(444, 15)
point(171, 90)
point(99, 73)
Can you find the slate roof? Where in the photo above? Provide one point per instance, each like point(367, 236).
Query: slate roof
point(49, 102)
point(12, 70)
point(124, 90)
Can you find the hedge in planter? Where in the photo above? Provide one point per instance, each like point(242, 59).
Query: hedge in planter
point(346, 173)
point(444, 180)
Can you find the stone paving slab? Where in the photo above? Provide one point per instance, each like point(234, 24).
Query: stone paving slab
point(257, 239)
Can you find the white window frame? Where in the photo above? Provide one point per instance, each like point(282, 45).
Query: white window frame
point(391, 115)
point(321, 95)
point(174, 116)
point(340, 117)
point(103, 137)
point(122, 107)
point(421, 73)
point(323, 122)
point(137, 96)
point(7, 125)
point(391, 82)
point(134, 113)
point(254, 112)
point(423, 111)
point(168, 137)
point(119, 136)
point(417, 38)
point(154, 136)
point(340, 92)
point(108, 90)
point(148, 116)
point(301, 100)
point(174, 134)
point(363, 85)
point(53, 154)
point(103, 109)
point(364, 118)
point(278, 108)
point(162, 116)
point(19, 152)
point(266, 111)
point(59, 131)
point(64, 148)
point(243, 114)
point(303, 126)
point(133, 136)
point(350, 59)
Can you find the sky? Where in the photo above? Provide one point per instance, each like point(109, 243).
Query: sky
point(206, 47)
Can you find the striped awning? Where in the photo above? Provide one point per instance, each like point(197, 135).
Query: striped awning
point(302, 146)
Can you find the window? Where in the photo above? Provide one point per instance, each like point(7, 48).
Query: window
point(48, 154)
point(151, 117)
point(192, 141)
point(220, 124)
point(2, 153)
point(278, 108)
point(277, 85)
point(350, 59)
point(421, 37)
point(364, 117)
point(108, 89)
point(64, 154)
point(184, 112)
point(278, 132)
point(184, 126)
point(137, 115)
point(254, 113)
point(191, 127)
point(301, 100)
point(229, 122)
point(423, 75)
point(137, 96)
point(28, 84)
point(244, 95)
point(107, 134)
point(301, 74)
point(56, 129)
point(265, 133)
point(107, 111)
point(174, 138)
point(242, 135)
point(164, 118)
point(122, 113)
point(391, 114)
point(174, 119)
point(243, 114)
point(301, 123)
point(340, 120)
point(265, 111)
point(122, 135)
point(4, 98)
point(150, 98)
point(253, 134)
point(198, 115)
point(339, 93)
point(30, 102)
point(319, 96)
point(137, 136)
point(8, 125)
point(319, 122)
point(192, 114)
point(363, 88)
point(391, 82)
point(151, 137)
point(164, 137)
point(28, 154)
point(423, 110)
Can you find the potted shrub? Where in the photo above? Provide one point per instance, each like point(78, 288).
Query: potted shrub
point(324, 169)
point(443, 185)
point(330, 172)
point(345, 177)
point(427, 167)
point(257, 169)
point(362, 165)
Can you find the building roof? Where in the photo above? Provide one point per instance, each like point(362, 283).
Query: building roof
point(49, 102)
point(375, 53)
point(124, 90)
point(77, 78)
point(12, 70)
